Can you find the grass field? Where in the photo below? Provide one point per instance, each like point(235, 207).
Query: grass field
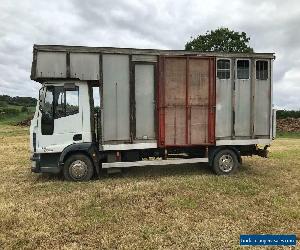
point(12, 119)
point(169, 207)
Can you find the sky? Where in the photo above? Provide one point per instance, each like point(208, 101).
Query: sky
point(272, 25)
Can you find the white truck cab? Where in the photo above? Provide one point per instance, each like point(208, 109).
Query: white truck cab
point(62, 122)
point(62, 117)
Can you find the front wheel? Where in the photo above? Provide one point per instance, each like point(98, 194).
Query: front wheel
point(78, 167)
point(225, 162)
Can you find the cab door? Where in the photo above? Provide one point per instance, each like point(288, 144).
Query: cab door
point(65, 118)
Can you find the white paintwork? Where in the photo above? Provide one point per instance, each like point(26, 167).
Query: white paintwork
point(243, 142)
point(65, 127)
point(152, 163)
point(129, 146)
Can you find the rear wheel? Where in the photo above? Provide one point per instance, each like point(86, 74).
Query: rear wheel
point(225, 162)
point(78, 167)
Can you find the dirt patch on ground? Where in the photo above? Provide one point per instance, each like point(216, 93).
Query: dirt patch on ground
point(24, 123)
point(288, 125)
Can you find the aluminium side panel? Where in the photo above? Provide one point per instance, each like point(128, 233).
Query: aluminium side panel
point(51, 64)
point(116, 92)
point(262, 106)
point(243, 105)
point(224, 105)
point(84, 66)
point(144, 101)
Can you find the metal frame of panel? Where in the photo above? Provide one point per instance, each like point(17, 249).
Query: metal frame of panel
point(210, 105)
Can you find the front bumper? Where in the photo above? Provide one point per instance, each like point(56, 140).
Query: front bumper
point(45, 163)
point(35, 163)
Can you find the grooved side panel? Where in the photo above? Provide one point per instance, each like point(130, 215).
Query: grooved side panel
point(175, 91)
point(262, 108)
point(175, 125)
point(51, 65)
point(84, 66)
point(186, 101)
point(116, 98)
point(198, 125)
point(198, 94)
point(224, 105)
point(144, 101)
point(242, 107)
point(175, 81)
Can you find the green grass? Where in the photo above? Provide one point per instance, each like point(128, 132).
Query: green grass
point(12, 119)
point(280, 134)
point(161, 207)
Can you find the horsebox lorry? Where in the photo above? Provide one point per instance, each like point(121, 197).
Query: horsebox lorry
point(111, 108)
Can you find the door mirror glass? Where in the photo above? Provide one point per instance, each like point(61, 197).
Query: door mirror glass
point(46, 107)
point(41, 98)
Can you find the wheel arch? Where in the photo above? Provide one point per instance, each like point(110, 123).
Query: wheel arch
point(86, 148)
point(214, 150)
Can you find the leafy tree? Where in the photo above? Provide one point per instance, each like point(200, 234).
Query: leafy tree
point(220, 40)
point(282, 114)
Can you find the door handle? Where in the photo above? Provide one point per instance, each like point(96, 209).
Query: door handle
point(77, 137)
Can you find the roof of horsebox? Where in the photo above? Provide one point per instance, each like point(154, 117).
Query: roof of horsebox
point(138, 51)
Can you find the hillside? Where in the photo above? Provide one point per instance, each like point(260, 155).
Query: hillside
point(16, 109)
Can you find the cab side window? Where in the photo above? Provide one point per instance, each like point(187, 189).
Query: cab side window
point(72, 102)
point(66, 102)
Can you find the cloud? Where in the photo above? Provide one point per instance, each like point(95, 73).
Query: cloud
point(272, 26)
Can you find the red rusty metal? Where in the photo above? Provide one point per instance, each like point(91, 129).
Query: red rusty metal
point(210, 106)
point(161, 115)
point(212, 101)
point(187, 109)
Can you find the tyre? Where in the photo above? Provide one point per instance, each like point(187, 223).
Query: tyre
point(225, 162)
point(78, 167)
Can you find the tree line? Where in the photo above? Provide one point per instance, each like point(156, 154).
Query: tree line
point(282, 114)
point(17, 100)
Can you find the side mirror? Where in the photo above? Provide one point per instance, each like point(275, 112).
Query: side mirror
point(42, 92)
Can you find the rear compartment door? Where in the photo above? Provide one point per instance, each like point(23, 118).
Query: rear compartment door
point(186, 101)
point(144, 76)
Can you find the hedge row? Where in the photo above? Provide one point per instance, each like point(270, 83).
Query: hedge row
point(281, 114)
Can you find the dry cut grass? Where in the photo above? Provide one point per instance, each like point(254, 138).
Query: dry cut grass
point(169, 207)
